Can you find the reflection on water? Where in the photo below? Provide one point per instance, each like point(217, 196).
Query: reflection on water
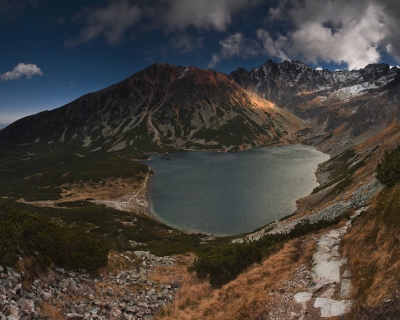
point(231, 193)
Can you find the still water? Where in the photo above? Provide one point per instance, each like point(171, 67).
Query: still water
point(231, 193)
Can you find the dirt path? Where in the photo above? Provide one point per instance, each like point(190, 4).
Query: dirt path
point(136, 202)
point(112, 192)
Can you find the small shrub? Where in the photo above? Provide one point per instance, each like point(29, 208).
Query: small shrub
point(388, 170)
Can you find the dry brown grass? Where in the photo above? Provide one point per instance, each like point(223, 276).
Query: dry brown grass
point(177, 272)
point(245, 297)
point(50, 312)
point(117, 262)
point(374, 256)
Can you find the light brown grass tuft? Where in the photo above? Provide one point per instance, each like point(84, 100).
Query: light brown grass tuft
point(117, 262)
point(374, 254)
point(50, 312)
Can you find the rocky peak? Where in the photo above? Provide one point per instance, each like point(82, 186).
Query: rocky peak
point(280, 82)
point(162, 105)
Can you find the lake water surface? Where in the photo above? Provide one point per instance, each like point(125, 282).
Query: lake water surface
point(231, 193)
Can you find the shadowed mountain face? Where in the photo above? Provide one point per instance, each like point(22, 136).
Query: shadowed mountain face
point(185, 107)
point(162, 105)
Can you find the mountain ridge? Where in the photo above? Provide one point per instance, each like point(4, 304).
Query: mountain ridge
point(162, 105)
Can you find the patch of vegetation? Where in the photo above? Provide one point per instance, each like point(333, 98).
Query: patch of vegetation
point(118, 228)
point(235, 133)
point(25, 234)
point(74, 204)
point(341, 171)
point(388, 170)
point(224, 263)
point(38, 175)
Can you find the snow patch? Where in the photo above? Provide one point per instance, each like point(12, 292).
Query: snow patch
point(183, 73)
point(87, 141)
point(119, 146)
point(62, 139)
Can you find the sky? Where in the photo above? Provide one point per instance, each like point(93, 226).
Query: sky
point(53, 52)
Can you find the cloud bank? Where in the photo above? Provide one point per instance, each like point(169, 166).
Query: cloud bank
point(343, 32)
point(348, 33)
point(352, 33)
point(110, 22)
point(121, 16)
point(203, 14)
point(21, 70)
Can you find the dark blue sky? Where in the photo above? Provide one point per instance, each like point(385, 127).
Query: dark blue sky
point(52, 52)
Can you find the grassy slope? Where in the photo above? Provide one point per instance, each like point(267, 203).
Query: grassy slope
point(373, 246)
point(34, 173)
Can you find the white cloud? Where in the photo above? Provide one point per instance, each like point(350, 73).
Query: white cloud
point(352, 33)
point(21, 70)
point(110, 22)
point(271, 47)
point(121, 16)
point(235, 45)
point(203, 14)
point(351, 37)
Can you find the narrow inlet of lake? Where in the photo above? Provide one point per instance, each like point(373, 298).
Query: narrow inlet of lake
point(231, 193)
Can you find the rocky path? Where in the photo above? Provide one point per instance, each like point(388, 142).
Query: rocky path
point(319, 292)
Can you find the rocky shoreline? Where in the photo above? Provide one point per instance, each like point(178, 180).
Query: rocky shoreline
point(359, 199)
point(125, 295)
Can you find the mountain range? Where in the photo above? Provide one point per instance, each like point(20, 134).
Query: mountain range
point(191, 108)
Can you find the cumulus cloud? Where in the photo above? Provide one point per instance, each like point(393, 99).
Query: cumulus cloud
point(235, 45)
point(273, 47)
point(21, 70)
point(111, 22)
point(337, 31)
point(352, 33)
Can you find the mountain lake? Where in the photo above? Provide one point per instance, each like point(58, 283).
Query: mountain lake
point(231, 193)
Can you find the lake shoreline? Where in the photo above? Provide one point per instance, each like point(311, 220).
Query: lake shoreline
point(293, 210)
